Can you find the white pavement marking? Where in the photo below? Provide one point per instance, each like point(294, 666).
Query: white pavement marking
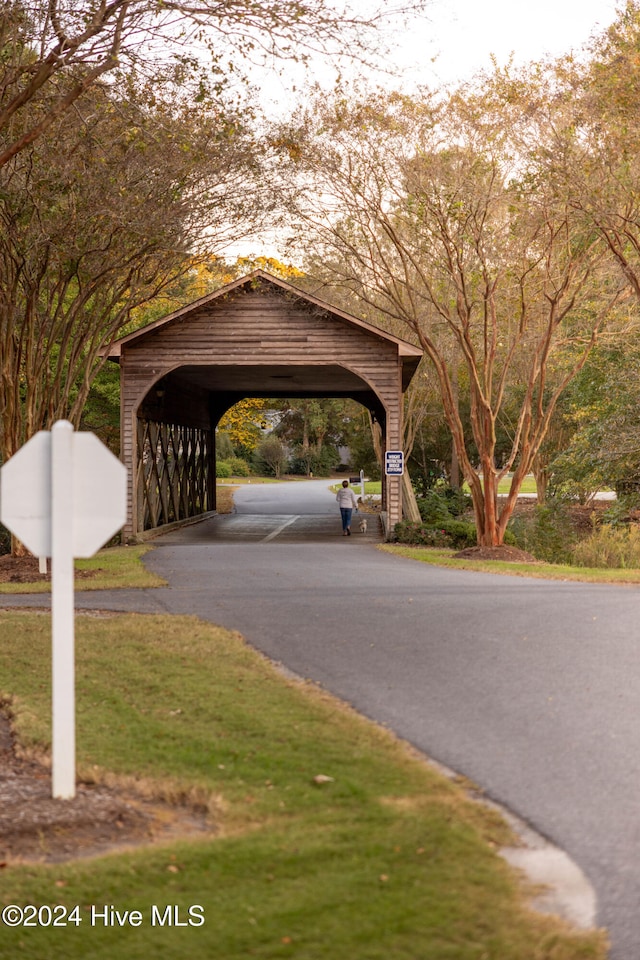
point(278, 530)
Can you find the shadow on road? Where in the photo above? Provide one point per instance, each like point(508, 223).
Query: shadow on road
point(273, 528)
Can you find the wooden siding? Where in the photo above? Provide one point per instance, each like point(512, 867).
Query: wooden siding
point(190, 408)
point(254, 326)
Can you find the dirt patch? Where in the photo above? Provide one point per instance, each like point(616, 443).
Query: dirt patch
point(505, 553)
point(36, 828)
point(26, 570)
point(224, 498)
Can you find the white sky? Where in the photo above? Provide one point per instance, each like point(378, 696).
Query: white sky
point(456, 38)
point(462, 34)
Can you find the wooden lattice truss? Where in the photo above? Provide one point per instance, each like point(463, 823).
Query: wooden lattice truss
point(173, 473)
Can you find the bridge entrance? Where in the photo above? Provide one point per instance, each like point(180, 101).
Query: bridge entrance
point(256, 337)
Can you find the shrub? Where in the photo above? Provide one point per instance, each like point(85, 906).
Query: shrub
point(5, 540)
point(548, 533)
point(223, 468)
point(441, 508)
point(609, 547)
point(270, 457)
point(449, 533)
point(321, 463)
point(443, 503)
point(408, 531)
point(578, 472)
point(620, 509)
point(324, 462)
point(224, 447)
point(629, 487)
point(433, 508)
point(238, 467)
point(458, 502)
point(462, 533)
point(424, 478)
point(509, 538)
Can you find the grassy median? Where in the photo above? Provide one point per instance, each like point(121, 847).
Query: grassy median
point(110, 569)
point(440, 557)
point(386, 859)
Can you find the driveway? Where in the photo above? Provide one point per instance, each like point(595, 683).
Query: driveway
point(531, 688)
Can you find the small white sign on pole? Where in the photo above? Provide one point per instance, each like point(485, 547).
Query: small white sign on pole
point(63, 494)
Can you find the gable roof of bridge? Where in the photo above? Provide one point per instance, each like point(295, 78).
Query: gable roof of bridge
point(406, 350)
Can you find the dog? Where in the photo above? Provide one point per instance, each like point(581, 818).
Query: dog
point(363, 525)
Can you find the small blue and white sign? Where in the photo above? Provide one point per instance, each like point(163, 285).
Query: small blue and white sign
point(394, 463)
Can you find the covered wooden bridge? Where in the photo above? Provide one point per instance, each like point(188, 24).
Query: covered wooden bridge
point(256, 337)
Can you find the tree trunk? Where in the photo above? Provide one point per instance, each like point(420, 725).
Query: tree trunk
point(455, 469)
point(455, 463)
point(409, 503)
point(541, 475)
point(489, 535)
point(306, 452)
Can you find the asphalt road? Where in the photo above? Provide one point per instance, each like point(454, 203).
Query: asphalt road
point(309, 498)
point(531, 688)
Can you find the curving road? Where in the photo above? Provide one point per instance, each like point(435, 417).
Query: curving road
point(529, 687)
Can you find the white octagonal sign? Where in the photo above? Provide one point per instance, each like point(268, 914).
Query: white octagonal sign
point(98, 481)
point(25, 494)
point(99, 494)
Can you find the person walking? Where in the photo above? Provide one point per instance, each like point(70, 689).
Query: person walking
point(347, 502)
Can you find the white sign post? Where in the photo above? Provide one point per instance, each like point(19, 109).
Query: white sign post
point(63, 688)
point(63, 494)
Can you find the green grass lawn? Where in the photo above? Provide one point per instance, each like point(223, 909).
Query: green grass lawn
point(375, 486)
point(528, 485)
point(387, 861)
point(237, 481)
point(113, 567)
point(371, 487)
point(548, 571)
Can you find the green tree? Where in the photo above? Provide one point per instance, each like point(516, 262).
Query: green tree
point(359, 438)
point(582, 114)
point(316, 427)
point(101, 412)
point(431, 214)
point(54, 51)
point(596, 149)
point(602, 408)
point(99, 217)
point(271, 454)
point(244, 423)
